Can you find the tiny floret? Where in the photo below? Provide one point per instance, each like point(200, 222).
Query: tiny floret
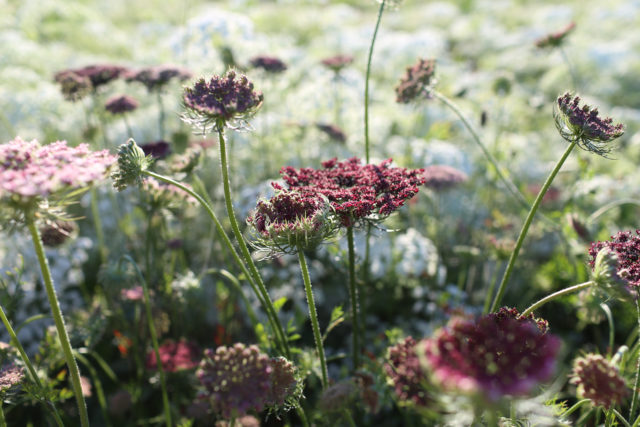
point(582, 124)
point(131, 163)
point(417, 82)
point(599, 380)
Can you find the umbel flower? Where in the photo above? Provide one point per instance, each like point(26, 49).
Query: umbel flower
point(555, 39)
point(235, 379)
point(626, 246)
point(10, 375)
point(333, 132)
point(597, 379)
point(291, 220)
point(132, 161)
point(284, 383)
point(357, 192)
point(605, 275)
point(55, 233)
point(157, 149)
point(584, 125)
point(73, 86)
point(227, 100)
point(157, 77)
point(443, 177)
point(492, 356)
point(337, 63)
point(417, 81)
point(120, 104)
point(175, 356)
point(99, 75)
point(269, 64)
point(406, 375)
point(30, 172)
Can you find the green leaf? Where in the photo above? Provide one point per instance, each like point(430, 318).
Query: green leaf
point(277, 304)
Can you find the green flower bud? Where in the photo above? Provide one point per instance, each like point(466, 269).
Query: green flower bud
point(131, 163)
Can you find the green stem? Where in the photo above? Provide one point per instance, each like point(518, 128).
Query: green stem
point(610, 206)
point(620, 417)
point(3, 421)
point(353, 296)
point(634, 400)
point(127, 126)
point(507, 182)
point(366, 82)
point(302, 415)
point(243, 246)
point(65, 344)
point(348, 417)
point(154, 339)
point(492, 286)
point(527, 223)
point(160, 115)
point(314, 316)
point(97, 223)
point(575, 407)
point(612, 328)
point(560, 293)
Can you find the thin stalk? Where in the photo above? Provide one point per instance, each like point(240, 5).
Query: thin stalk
point(612, 329)
point(348, 417)
point(366, 82)
point(243, 246)
point(63, 337)
point(353, 296)
point(160, 115)
point(575, 407)
point(314, 317)
point(634, 400)
point(274, 324)
point(494, 162)
point(560, 293)
point(97, 223)
point(572, 71)
point(620, 417)
point(527, 224)
point(492, 286)
point(3, 421)
point(127, 126)
point(595, 215)
point(154, 339)
point(25, 359)
point(302, 415)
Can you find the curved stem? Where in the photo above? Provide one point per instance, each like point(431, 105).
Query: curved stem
point(366, 82)
point(302, 415)
point(527, 223)
point(610, 206)
point(494, 162)
point(562, 292)
point(620, 417)
point(575, 407)
point(314, 316)
point(65, 344)
point(612, 328)
point(234, 253)
point(353, 296)
point(634, 400)
point(154, 339)
point(243, 246)
point(492, 286)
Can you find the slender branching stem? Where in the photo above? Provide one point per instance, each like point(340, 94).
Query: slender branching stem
point(555, 295)
point(160, 114)
point(63, 336)
point(154, 339)
point(97, 224)
point(612, 327)
point(353, 296)
point(634, 399)
point(366, 82)
point(527, 224)
point(314, 317)
point(243, 246)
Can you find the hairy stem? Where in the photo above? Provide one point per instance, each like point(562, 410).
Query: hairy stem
point(634, 400)
point(353, 296)
point(560, 293)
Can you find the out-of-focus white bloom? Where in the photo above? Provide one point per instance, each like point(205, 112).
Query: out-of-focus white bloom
point(418, 256)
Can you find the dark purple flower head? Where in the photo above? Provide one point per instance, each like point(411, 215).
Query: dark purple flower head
point(357, 192)
point(29, 170)
point(284, 383)
point(157, 77)
point(555, 39)
point(492, 356)
point(55, 233)
point(10, 375)
point(156, 149)
point(269, 64)
point(333, 132)
point(443, 177)
point(222, 101)
point(99, 75)
point(73, 86)
point(120, 104)
point(417, 81)
point(291, 220)
point(403, 368)
point(584, 125)
point(175, 356)
point(235, 379)
point(626, 246)
point(597, 379)
point(338, 62)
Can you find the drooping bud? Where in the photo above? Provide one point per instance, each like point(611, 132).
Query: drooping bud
point(131, 163)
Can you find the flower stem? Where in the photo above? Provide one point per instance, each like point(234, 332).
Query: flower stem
point(527, 224)
point(274, 324)
point(562, 292)
point(97, 223)
point(353, 296)
point(154, 339)
point(63, 337)
point(243, 246)
point(366, 82)
point(612, 328)
point(314, 316)
point(160, 115)
point(634, 400)
point(620, 417)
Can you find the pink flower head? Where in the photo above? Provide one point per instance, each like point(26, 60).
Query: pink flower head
point(157, 77)
point(338, 62)
point(10, 375)
point(626, 246)
point(73, 86)
point(235, 379)
point(134, 294)
point(357, 192)
point(283, 381)
point(443, 177)
point(120, 104)
point(175, 356)
point(29, 170)
point(597, 379)
point(99, 75)
point(403, 368)
point(492, 356)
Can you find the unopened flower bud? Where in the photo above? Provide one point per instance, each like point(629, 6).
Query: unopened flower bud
point(131, 163)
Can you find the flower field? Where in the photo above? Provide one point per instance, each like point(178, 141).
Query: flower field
point(319, 213)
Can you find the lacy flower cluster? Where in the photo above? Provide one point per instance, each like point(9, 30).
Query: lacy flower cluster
point(597, 379)
point(495, 355)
